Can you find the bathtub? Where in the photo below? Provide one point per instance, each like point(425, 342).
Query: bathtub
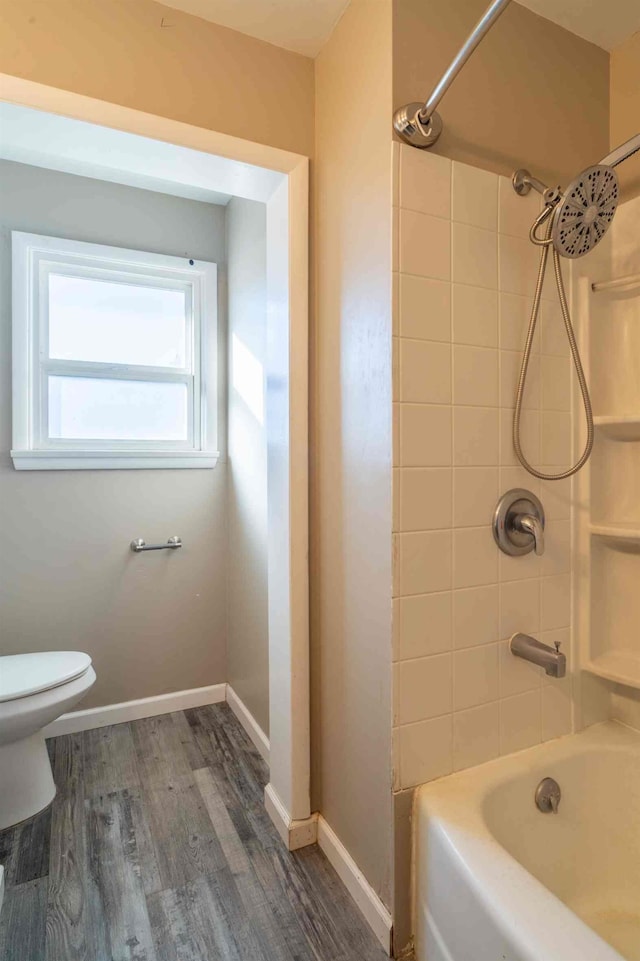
point(497, 880)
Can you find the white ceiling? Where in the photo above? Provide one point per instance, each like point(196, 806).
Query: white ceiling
point(304, 25)
point(604, 22)
point(299, 25)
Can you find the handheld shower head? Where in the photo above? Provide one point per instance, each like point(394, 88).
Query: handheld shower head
point(584, 214)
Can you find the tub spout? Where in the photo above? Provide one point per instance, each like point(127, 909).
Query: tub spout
point(550, 658)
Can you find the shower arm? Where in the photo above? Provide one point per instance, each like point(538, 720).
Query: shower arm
point(523, 181)
point(418, 123)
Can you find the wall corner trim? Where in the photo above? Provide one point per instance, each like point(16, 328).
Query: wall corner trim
point(95, 717)
point(253, 730)
point(295, 834)
point(371, 907)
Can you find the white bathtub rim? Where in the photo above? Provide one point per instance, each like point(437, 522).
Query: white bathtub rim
point(517, 903)
point(523, 906)
point(612, 734)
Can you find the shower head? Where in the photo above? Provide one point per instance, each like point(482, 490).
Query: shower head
point(584, 211)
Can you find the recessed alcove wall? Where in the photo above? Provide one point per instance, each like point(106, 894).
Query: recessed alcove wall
point(615, 498)
point(615, 337)
point(615, 607)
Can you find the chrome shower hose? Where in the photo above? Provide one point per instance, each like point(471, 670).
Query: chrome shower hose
point(545, 243)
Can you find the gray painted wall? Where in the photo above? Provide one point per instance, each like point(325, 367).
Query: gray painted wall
point(153, 623)
point(248, 651)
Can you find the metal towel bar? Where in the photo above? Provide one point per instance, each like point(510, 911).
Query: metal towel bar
point(140, 545)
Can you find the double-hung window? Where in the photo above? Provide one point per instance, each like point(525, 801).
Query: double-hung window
point(114, 357)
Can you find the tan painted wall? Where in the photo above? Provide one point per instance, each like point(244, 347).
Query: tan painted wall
point(248, 647)
point(625, 107)
point(142, 54)
point(351, 568)
point(532, 95)
point(153, 623)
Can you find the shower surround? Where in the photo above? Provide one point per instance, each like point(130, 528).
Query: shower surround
point(464, 276)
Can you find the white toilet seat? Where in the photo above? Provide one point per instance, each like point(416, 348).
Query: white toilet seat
point(35, 689)
point(24, 674)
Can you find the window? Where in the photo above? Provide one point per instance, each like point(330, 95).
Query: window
point(114, 357)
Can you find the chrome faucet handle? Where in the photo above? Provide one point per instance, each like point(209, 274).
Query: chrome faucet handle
point(518, 523)
point(530, 524)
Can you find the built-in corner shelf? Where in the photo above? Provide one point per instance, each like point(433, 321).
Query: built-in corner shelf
point(607, 509)
point(630, 282)
point(626, 534)
point(619, 428)
point(620, 666)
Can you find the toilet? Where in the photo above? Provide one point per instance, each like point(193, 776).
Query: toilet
point(35, 689)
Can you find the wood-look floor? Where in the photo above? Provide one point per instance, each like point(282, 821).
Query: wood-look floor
point(158, 848)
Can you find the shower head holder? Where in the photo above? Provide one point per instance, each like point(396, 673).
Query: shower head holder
point(523, 181)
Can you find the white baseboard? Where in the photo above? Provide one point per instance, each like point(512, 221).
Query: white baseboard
point(254, 731)
point(370, 905)
point(295, 834)
point(134, 710)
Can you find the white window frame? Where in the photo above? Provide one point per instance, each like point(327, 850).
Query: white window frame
point(34, 257)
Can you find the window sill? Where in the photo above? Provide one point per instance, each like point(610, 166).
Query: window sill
point(112, 459)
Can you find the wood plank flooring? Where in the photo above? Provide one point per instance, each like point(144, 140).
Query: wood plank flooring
point(158, 848)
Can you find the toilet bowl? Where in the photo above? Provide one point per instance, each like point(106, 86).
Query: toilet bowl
point(35, 689)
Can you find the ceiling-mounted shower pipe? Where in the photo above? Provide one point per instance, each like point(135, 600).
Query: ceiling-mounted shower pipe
point(418, 123)
point(623, 152)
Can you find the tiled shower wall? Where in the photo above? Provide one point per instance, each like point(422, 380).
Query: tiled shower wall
point(464, 273)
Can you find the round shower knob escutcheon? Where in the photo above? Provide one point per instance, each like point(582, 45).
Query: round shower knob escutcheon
point(518, 523)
